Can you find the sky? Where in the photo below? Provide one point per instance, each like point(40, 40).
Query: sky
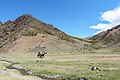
point(80, 18)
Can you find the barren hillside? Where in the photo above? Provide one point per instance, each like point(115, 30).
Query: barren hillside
point(27, 33)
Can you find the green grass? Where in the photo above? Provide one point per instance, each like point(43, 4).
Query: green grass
point(71, 65)
point(75, 70)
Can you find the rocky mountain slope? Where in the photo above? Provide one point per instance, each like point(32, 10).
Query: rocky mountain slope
point(27, 33)
point(109, 38)
point(1, 24)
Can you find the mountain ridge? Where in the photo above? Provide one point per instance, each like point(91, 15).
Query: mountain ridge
point(27, 25)
point(109, 38)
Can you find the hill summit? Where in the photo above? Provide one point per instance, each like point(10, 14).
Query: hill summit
point(26, 27)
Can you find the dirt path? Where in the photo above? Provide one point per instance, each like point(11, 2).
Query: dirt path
point(16, 72)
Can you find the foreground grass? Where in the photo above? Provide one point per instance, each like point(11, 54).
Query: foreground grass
point(108, 70)
point(71, 65)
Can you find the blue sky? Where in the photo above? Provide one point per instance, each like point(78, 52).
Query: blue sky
point(81, 18)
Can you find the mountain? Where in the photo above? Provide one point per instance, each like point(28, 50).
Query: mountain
point(109, 38)
point(26, 33)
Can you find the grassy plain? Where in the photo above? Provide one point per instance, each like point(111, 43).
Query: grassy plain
point(70, 65)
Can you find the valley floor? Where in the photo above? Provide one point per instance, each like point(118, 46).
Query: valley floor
point(63, 65)
point(12, 74)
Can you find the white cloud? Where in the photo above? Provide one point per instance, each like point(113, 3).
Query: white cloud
point(111, 16)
